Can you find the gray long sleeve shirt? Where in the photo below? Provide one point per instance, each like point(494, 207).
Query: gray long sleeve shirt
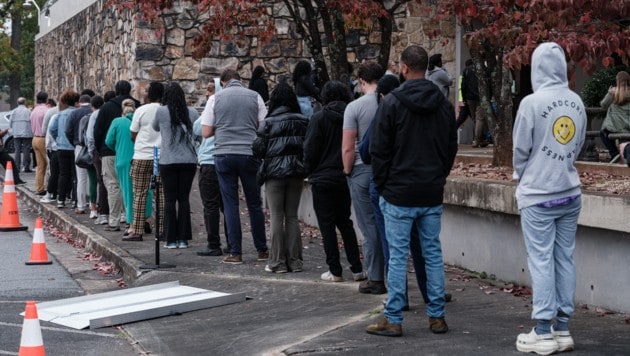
point(175, 149)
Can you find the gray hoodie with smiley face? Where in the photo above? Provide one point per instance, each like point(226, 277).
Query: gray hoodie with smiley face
point(548, 132)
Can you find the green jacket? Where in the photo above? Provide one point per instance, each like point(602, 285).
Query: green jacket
point(118, 139)
point(618, 117)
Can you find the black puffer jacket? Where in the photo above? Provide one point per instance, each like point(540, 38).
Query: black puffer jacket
point(322, 148)
point(280, 143)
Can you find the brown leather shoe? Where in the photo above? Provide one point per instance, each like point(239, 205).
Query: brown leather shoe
point(384, 328)
point(233, 259)
point(263, 255)
point(438, 325)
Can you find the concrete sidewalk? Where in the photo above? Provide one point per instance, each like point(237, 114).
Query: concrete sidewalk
point(297, 313)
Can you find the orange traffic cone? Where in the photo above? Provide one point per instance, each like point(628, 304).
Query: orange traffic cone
point(10, 217)
point(31, 343)
point(39, 256)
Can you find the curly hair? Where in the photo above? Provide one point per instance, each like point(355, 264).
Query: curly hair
point(155, 92)
point(258, 72)
point(69, 97)
point(335, 90)
point(301, 69)
point(283, 95)
point(386, 85)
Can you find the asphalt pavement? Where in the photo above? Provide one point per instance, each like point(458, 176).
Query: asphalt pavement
point(297, 313)
point(19, 283)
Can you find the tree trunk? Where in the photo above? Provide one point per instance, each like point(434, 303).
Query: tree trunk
point(15, 76)
point(334, 29)
point(502, 152)
point(309, 30)
point(495, 83)
point(387, 26)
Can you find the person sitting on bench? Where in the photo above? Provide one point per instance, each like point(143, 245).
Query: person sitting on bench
point(617, 102)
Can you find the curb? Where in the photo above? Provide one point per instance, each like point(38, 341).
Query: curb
point(126, 263)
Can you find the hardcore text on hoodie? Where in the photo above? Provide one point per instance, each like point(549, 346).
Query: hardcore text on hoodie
point(548, 132)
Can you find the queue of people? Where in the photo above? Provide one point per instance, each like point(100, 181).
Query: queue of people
point(387, 154)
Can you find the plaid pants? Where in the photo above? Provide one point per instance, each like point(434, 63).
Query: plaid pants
point(141, 172)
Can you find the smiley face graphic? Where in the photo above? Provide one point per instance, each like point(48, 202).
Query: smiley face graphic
point(563, 129)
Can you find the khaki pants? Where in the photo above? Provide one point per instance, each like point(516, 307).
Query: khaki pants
point(114, 196)
point(39, 147)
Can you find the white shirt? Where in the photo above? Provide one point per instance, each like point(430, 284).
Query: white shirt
point(147, 137)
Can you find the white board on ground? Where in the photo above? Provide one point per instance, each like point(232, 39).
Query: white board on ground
point(133, 304)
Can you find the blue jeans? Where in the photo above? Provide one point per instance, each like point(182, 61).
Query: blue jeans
point(414, 244)
point(359, 183)
point(231, 168)
point(550, 239)
point(306, 107)
point(398, 222)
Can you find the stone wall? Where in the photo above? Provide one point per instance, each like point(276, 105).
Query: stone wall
point(92, 50)
point(99, 46)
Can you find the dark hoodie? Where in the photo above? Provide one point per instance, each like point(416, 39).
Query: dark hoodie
point(107, 113)
point(322, 145)
point(413, 144)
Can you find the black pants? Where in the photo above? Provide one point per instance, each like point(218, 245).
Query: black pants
point(176, 182)
point(464, 113)
point(102, 205)
point(332, 208)
point(610, 144)
point(66, 166)
point(4, 158)
point(53, 179)
point(212, 204)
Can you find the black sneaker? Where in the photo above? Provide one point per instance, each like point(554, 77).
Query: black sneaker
point(61, 204)
point(210, 252)
point(20, 182)
point(132, 237)
point(147, 227)
point(372, 287)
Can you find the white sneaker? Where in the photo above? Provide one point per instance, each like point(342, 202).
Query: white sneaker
point(93, 214)
point(48, 199)
point(564, 340)
point(544, 344)
point(329, 277)
point(101, 220)
point(361, 276)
